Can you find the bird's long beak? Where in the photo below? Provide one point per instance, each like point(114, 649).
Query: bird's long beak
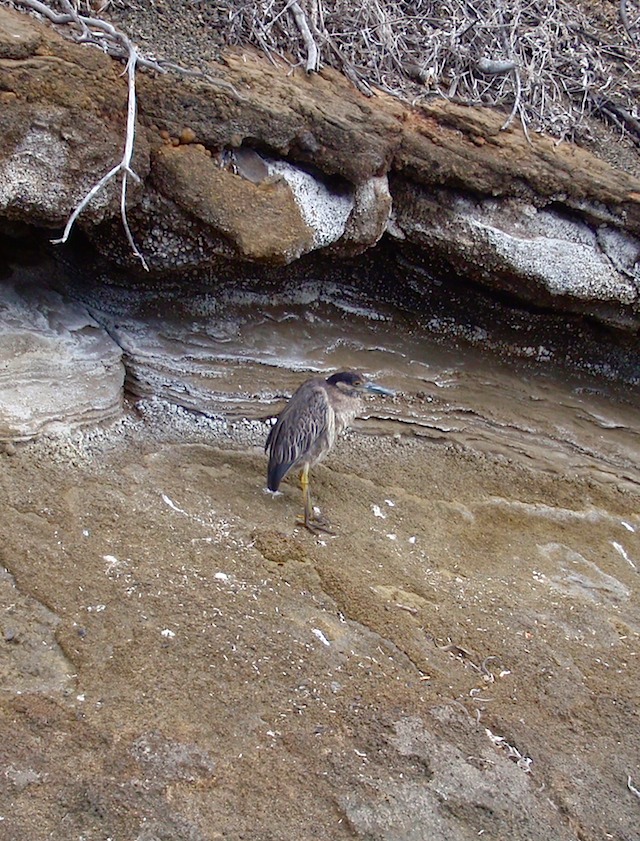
point(374, 388)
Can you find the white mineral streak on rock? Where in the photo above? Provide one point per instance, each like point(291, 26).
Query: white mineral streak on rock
point(58, 367)
point(32, 179)
point(31, 176)
point(565, 266)
point(324, 211)
point(563, 255)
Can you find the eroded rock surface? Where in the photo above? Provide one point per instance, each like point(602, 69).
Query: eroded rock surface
point(31, 661)
point(540, 255)
point(438, 671)
point(459, 186)
point(232, 206)
point(58, 367)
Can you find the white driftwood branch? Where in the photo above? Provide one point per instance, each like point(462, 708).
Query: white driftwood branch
point(128, 153)
point(99, 32)
point(124, 166)
point(516, 102)
point(302, 24)
point(107, 35)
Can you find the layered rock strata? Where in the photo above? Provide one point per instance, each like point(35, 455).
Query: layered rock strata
point(259, 163)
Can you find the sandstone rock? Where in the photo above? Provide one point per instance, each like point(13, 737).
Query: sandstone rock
point(232, 206)
point(33, 661)
point(54, 164)
point(334, 149)
point(433, 810)
point(538, 255)
point(315, 119)
point(62, 128)
point(58, 368)
point(369, 216)
point(18, 38)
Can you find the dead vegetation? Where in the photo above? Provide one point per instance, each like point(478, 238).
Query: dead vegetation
point(551, 63)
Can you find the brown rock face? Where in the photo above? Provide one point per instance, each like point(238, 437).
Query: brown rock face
point(440, 147)
point(62, 121)
point(233, 205)
point(19, 38)
point(365, 161)
point(320, 120)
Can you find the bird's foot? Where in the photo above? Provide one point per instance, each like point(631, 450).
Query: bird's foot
point(316, 525)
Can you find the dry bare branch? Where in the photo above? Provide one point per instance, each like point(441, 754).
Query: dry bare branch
point(624, 18)
point(302, 24)
point(102, 33)
point(123, 167)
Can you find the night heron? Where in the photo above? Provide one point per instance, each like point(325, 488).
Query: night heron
point(307, 428)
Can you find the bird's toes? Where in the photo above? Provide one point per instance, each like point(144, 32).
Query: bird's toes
point(316, 525)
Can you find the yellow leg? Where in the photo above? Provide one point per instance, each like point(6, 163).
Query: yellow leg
point(306, 495)
point(310, 522)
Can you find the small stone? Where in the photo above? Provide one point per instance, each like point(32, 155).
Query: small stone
point(164, 134)
point(187, 135)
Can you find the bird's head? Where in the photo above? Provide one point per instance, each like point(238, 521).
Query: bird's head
point(353, 383)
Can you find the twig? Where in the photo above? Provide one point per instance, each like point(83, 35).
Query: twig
point(347, 68)
point(611, 108)
point(113, 38)
point(312, 49)
point(125, 164)
point(124, 167)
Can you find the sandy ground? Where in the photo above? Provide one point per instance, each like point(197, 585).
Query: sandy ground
point(180, 662)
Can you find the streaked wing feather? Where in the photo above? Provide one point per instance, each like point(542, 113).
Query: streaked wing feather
point(302, 422)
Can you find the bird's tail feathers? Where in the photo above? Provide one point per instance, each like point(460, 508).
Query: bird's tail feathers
point(276, 474)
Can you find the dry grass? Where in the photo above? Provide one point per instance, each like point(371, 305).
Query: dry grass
point(551, 63)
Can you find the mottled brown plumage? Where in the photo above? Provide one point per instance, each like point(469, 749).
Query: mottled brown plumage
point(308, 426)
